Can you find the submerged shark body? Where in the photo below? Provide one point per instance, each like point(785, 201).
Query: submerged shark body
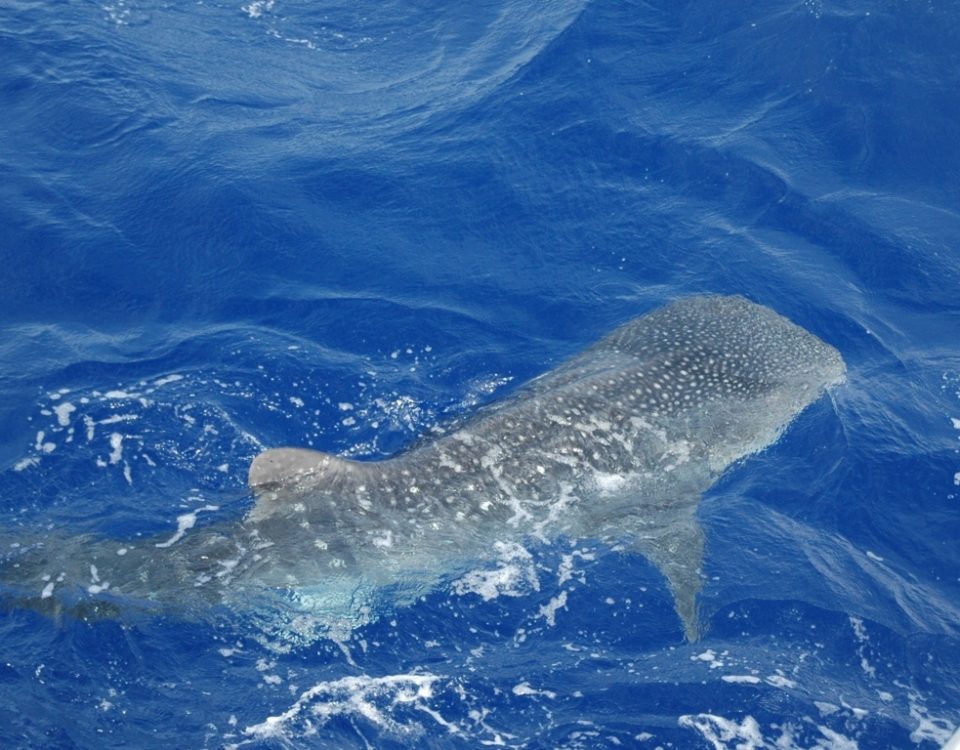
point(619, 442)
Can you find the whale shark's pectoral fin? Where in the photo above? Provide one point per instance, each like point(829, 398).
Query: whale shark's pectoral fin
point(278, 473)
point(677, 551)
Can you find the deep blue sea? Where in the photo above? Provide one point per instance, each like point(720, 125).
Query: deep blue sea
point(229, 225)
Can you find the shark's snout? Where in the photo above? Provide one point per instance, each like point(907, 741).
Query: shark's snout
point(263, 471)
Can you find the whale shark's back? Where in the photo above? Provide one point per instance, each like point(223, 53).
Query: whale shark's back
point(718, 323)
point(707, 347)
point(720, 372)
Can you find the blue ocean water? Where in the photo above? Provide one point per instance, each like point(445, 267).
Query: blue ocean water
point(233, 225)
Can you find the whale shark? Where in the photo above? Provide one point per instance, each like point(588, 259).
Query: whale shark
point(617, 443)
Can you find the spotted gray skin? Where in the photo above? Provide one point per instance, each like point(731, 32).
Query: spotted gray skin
point(618, 443)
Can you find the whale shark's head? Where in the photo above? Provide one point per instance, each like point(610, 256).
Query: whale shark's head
point(736, 371)
point(709, 347)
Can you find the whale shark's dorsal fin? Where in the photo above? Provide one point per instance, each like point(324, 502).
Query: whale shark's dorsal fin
point(285, 466)
point(293, 469)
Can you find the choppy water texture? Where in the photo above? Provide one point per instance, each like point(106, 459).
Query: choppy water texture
point(226, 227)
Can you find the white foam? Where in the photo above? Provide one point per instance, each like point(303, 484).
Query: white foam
point(515, 576)
point(113, 419)
point(837, 741)
point(932, 728)
point(116, 445)
point(710, 657)
point(256, 9)
point(63, 412)
point(728, 734)
point(372, 698)
point(956, 423)
point(43, 446)
point(778, 680)
point(826, 709)
point(118, 394)
point(565, 570)
point(524, 689)
point(860, 633)
point(186, 522)
point(549, 610)
point(167, 379)
point(609, 484)
point(26, 463)
point(718, 731)
point(745, 679)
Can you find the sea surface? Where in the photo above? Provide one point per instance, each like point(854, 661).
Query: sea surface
point(228, 226)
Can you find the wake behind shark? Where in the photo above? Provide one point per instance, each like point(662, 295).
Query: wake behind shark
point(619, 442)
